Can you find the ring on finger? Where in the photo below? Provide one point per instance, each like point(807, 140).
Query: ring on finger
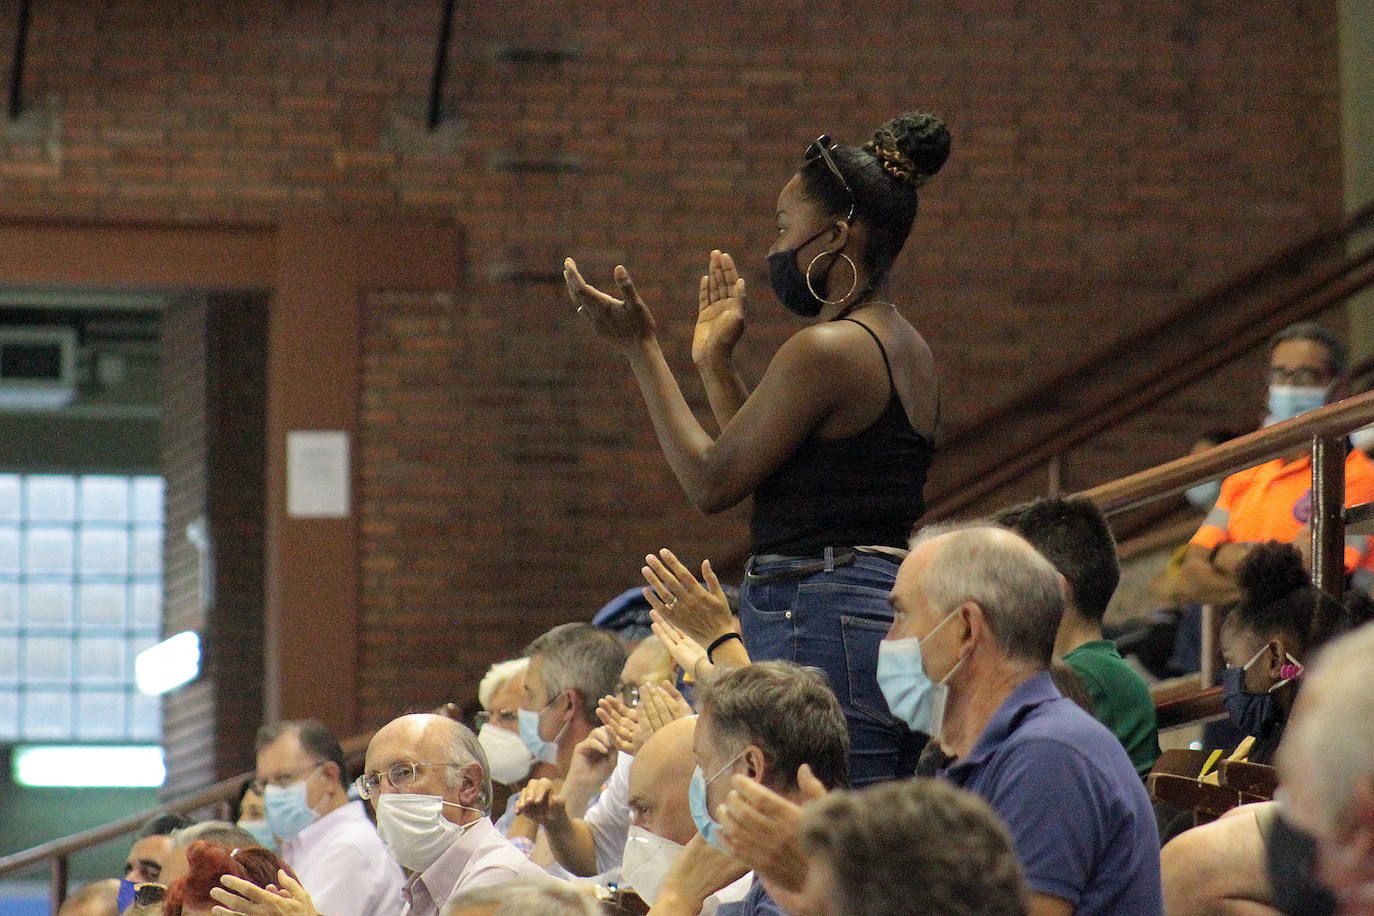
point(671, 604)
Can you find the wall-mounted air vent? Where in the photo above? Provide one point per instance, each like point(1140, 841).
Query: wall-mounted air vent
point(37, 367)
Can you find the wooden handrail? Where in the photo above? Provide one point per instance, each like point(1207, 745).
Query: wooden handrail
point(1329, 289)
point(1284, 263)
point(1170, 536)
point(1333, 420)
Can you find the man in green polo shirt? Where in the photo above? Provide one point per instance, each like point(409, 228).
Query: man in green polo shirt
point(1073, 536)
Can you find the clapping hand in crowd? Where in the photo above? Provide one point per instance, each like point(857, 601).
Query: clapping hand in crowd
point(244, 898)
point(689, 654)
point(762, 829)
point(593, 760)
point(700, 611)
point(631, 726)
point(697, 873)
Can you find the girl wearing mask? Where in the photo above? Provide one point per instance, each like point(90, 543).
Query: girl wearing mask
point(1268, 638)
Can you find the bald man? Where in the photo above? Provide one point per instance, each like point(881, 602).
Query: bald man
point(661, 820)
point(427, 778)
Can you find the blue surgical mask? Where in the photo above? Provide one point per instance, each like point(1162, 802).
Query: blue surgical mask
point(910, 694)
point(261, 832)
point(1289, 401)
point(707, 826)
point(789, 282)
point(287, 811)
point(527, 720)
point(1204, 495)
point(126, 895)
point(1249, 711)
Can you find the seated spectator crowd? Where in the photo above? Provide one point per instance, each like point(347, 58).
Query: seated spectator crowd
point(672, 775)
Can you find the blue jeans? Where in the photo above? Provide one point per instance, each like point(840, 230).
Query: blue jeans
point(833, 620)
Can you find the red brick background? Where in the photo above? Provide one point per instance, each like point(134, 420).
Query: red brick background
point(1108, 159)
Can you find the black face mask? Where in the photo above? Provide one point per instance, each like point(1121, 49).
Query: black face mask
point(789, 283)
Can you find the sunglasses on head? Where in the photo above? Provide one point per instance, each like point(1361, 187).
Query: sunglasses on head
point(820, 149)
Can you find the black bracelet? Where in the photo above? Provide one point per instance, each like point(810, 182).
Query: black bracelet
point(718, 642)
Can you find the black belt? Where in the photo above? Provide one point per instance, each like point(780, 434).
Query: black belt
point(828, 562)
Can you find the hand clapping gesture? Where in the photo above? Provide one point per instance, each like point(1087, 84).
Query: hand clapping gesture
point(542, 802)
point(762, 829)
point(238, 897)
point(702, 612)
point(631, 726)
point(689, 654)
point(720, 311)
point(623, 322)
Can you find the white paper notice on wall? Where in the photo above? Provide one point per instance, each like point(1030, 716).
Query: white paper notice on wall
point(317, 474)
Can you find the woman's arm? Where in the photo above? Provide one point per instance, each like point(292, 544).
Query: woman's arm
point(806, 380)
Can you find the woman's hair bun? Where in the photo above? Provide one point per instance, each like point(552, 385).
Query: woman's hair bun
point(912, 147)
point(1271, 572)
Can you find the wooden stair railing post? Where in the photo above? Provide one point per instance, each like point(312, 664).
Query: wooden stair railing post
point(1328, 514)
point(1211, 631)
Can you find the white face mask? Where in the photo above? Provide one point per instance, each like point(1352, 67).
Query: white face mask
point(414, 828)
point(1363, 438)
point(507, 755)
point(647, 859)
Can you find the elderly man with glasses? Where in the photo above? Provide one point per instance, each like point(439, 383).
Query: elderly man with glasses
point(323, 835)
point(427, 778)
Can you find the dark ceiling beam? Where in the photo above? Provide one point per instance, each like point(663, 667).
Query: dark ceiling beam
point(21, 42)
point(436, 85)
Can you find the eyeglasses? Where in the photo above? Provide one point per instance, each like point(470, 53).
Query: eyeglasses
point(508, 716)
point(1302, 375)
point(281, 780)
point(401, 776)
point(820, 149)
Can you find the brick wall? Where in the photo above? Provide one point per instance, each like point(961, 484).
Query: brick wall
point(1108, 158)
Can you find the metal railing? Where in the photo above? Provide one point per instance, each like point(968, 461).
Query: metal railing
point(56, 853)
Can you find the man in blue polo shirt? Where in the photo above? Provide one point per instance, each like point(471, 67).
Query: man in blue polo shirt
point(966, 661)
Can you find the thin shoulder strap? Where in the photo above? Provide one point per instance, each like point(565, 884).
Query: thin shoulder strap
point(881, 349)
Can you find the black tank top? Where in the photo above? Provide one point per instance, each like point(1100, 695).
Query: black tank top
point(859, 490)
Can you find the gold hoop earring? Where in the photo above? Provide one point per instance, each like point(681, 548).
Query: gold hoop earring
point(852, 286)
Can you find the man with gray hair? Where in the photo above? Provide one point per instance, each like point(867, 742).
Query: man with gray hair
point(967, 662)
point(571, 667)
point(427, 778)
point(1326, 767)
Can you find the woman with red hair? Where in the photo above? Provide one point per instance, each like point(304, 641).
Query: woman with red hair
point(208, 863)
